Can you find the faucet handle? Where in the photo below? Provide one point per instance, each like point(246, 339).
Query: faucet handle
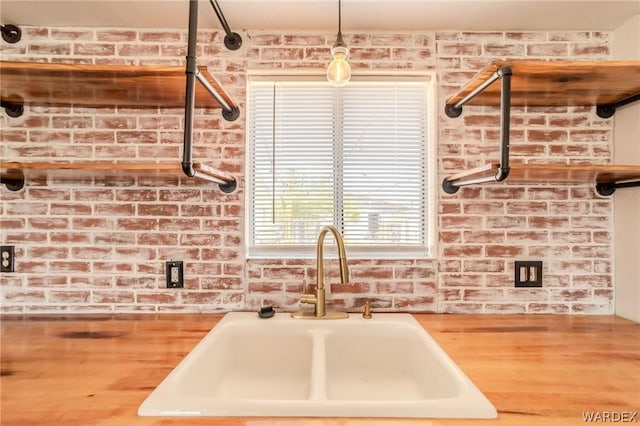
point(366, 311)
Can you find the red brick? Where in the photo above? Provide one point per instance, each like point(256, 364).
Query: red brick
point(412, 54)
point(49, 194)
point(287, 54)
point(49, 252)
point(504, 251)
point(85, 282)
point(69, 209)
point(266, 39)
point(24, 296)
point(570, 295)
point(462, 251)
point(94, 49)
point(221, 283)
point(156, 298)
point(459, 49)
point(548, 308)
point(184, 224)
point(69, 296)
point(212, 298)
point(139, 50)
point(548, 222)
point(135, 282)
point(49, 48)
point(50, 136)
point(40, 223)
point(113, 238)
point(157, 210)
point(467, 280)
point(203, 239)
point(559, 49)
point(25, 237)
point(136, 137)
point(504, 308)
point(192, 253)
point(95, 137)
point(462, 222)
point(109, 296)
point(592, 281)
point(547, 136)
point(265, 287)
point(116, 35)
point(592, 308)
point(70, 238)
point(487, 265)
point(415, 304)
point(589, 49)
point(463, 308)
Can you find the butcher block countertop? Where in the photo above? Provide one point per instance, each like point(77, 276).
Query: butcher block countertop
point(535, 369)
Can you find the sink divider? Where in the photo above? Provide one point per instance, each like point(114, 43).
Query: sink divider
point(318, 385)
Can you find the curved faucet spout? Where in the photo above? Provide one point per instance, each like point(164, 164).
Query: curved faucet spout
point(342, 255)
point(318, 297)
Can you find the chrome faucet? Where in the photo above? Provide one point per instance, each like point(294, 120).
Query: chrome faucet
point(317, 298)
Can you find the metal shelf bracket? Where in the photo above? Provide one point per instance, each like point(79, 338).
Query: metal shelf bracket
point(229, 113)
point(504, 74)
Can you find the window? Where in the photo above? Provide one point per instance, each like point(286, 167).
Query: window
point(357, 157)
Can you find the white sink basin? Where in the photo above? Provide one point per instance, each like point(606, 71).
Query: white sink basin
point(387, 366)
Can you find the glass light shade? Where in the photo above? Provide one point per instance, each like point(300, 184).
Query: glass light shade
point(339, 70)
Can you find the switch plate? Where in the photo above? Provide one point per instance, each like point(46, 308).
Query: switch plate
point(528, 273)
point(175, 274)
point(7, 258)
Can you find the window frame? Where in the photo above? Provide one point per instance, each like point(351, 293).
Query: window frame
point(354, 251)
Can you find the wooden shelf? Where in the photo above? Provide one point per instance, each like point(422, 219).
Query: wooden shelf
point(557, 83)
point(554, 173)
point(30, 83)
point(607, 85)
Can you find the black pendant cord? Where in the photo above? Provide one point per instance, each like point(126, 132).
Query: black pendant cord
point(339, 39)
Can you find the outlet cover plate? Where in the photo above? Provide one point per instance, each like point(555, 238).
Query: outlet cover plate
point(528, 273)
point(7, 259)
point(175, 274)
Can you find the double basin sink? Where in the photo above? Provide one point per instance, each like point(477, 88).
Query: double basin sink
point(387, 366)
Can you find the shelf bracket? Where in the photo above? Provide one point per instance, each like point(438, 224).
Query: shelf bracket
point(228, 112)
point(12, 109)
point(11, 33)
point(504, 73)
point(607, 110)
point(232, 41)
point(608, 188)
point(15, 182)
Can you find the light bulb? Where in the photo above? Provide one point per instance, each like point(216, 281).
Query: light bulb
point(339, 70)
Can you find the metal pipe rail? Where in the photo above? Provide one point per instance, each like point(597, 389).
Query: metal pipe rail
point(232, 41)
point(504, 74)
point(230, 113)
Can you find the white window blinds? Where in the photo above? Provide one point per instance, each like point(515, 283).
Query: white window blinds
point(354, 157)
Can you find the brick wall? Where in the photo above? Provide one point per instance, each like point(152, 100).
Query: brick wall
point(101, 246)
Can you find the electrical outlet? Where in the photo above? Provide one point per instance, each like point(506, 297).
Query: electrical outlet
point(528, 273)
point(7, 258)
point(175, 274)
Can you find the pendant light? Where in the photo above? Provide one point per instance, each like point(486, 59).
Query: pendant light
point(339, 70)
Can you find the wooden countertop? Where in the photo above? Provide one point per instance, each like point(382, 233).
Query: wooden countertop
point(96, 370)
